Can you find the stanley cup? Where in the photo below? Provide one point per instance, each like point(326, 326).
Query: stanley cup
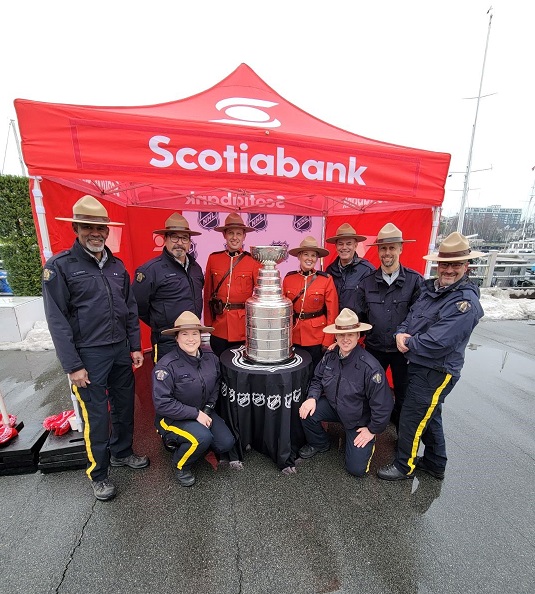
point(268, 314)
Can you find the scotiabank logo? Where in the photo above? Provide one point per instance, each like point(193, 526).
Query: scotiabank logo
point(275, 164)
point(244, 111)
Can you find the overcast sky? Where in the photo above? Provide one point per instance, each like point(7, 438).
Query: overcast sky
point(400, 72)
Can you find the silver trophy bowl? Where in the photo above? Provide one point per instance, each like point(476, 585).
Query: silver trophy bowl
point(268, 314)
point(268, 254)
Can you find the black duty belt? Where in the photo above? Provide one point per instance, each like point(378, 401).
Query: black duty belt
point(309, 315)
point(229, 306)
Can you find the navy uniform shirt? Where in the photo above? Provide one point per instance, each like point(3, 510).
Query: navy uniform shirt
point(86, 305)
point(440, 324)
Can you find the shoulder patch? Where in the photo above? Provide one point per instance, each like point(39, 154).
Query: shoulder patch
point(161, 374)
point(463, 306)
point(292, 272)
point(48, 274)
point(140, 277)
point(321, 273)
point(377, 377)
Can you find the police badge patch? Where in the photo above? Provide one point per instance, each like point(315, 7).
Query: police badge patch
point(463, 306)
point(48, 274)
point(377, 378)
point(161, 374)
point(139, 277)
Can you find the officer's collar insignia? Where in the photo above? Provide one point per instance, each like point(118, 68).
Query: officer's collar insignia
point(377, 378)
point(139, 277)
point(463, 306)
point(48, 274)
point(161, 374)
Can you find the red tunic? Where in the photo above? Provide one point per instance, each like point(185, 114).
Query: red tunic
point(236, 288)
point(321, 292)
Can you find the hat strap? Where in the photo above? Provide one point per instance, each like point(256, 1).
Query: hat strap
point(352, 327)
point(453, 254)
point(93, 218)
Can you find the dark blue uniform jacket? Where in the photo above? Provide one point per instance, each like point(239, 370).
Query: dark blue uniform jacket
point(440, 325)
point(86, 306)
point(182, 385)
point(386, 306)
point(355, 387)
point(164, 289)
point(347, 280)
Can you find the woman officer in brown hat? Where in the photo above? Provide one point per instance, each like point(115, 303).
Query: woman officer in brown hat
point(185, 388)
point(314, 298)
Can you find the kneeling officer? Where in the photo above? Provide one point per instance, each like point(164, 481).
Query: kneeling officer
point(185, 389)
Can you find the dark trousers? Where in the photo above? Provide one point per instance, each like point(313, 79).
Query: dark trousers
point(107, 405)
point(421, 418)
point(192, 439)
point(357, 459)
point(399, 368)
point(316, 352)
point(161, 348)
point(219, 345)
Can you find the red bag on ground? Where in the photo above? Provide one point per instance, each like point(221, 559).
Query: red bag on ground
point(7, 433)
point(59, 424)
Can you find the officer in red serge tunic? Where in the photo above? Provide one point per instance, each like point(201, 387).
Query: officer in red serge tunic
point(224, 302)
point(314, 298)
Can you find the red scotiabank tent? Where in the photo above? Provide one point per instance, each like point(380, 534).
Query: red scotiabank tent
point(238, 146)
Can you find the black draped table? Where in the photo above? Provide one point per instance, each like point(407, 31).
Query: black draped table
point(260, 404)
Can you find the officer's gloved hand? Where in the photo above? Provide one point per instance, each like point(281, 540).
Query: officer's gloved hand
point(208, 409)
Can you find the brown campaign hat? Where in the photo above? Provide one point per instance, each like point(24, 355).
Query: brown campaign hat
point(454, 248)
point(187, 321)
point(176, 223)
point(309, 243)
point(347, 321)
point(234, 221)
point(90, 211)
point(345, 231)
point(390, 234)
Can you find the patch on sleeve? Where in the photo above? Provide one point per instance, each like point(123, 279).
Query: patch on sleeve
point(161, 374)
point(463, 306)
point(377, 378)
point(48, 274)
point(140, 277)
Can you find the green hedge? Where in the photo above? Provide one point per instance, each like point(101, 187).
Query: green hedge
point(18, 241)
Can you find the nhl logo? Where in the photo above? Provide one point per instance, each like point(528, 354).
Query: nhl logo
point(193, 250)
point(244, 399)
point(274, 401)
point(258, 399)
point(208, 220)
point(297, 395)
point(303, 224)
point(288, 400)
point(257, 221)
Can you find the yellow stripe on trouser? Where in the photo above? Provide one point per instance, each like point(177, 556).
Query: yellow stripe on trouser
point(423, 423)
point(87, 440)
point(371, 456)
point(156, 353)
point(188, 436)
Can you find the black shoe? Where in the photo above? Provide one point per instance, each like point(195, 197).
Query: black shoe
point(307, 451)
point(132, 461)
point(421, 464)
point(104, 490)
point(391, 473)
point(185, 477)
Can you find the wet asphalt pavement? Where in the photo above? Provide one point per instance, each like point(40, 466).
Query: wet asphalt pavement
point(258, 531)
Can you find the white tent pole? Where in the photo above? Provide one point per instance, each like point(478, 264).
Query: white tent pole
point(432, 239)
point(41, 218)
